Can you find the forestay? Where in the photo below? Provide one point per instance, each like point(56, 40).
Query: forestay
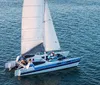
point(32, 24)
point(50, 38)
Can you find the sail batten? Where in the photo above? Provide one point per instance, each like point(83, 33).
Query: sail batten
point(32, 17)
point(34, 28)
point(31, 5)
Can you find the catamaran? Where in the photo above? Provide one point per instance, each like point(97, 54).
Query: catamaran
point(38, 36)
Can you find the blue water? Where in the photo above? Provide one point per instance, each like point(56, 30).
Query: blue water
point(77, 23)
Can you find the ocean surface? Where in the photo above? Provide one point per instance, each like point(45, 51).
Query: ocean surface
point(77, 24)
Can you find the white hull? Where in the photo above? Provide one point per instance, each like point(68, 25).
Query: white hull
point(30, 71)
point(54, 69)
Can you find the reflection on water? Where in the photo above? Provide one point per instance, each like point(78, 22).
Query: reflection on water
point(52, 78)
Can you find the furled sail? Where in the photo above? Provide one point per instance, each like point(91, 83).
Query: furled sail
point(51, 42)
point(32, 24)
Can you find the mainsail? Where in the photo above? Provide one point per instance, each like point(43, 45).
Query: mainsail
point(32, 24)
point(51, 42)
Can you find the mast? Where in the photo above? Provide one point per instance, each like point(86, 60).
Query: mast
point(44, 26)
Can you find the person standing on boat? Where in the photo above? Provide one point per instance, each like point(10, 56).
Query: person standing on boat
point(30, 64)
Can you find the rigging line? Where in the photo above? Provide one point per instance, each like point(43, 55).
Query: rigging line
point(33, 17)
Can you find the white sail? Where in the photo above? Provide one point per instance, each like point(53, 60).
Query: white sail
point(51, 42)
point(32, 24)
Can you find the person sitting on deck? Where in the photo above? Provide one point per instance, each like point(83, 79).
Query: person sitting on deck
point(21, 59)
point(30, 64)
point(52, 57)
point(52, 54)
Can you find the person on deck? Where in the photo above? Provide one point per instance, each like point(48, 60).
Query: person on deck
point(30, 64)
point(21, 59)
point(53, 54)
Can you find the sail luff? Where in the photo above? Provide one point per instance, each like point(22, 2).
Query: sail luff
point(51, 42)
point(32, 24)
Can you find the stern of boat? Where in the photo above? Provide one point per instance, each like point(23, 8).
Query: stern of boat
point(17, 72)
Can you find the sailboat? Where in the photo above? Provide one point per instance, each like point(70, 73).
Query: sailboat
point(38, 36)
